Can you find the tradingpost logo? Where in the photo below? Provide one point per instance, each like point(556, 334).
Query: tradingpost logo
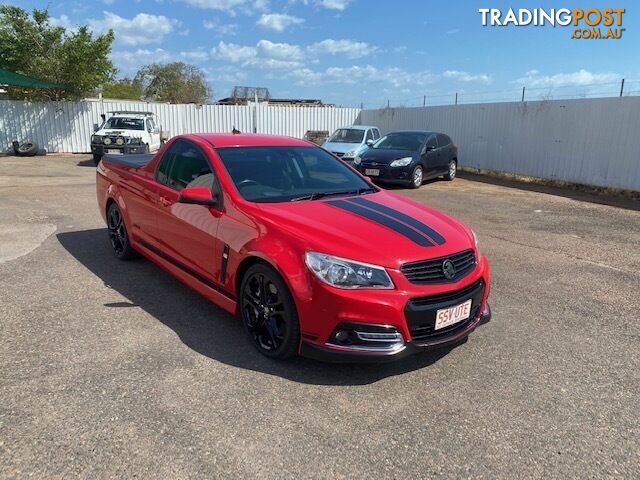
point(591, 23)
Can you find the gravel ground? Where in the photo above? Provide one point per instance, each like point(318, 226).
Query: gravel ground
point(113, 369)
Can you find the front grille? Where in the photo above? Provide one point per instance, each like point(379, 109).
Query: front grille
point(432, 271)
point(421, 312)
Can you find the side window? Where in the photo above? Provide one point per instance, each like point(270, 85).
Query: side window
point(443, 140)
point(369, 135)
point(190, 168)
point(162, 172)
point(431, 142)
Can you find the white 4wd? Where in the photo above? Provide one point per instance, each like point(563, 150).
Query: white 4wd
point(124, 133)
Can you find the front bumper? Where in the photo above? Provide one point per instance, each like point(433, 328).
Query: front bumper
point(331, 354)
point(387, 174)
point(409, 310)
point(126, 149)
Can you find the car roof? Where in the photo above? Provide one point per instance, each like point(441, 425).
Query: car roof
point(251, 140)
point(426, 132)
point(357, 127)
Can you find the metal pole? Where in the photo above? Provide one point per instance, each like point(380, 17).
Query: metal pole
point(622, 87)
point(424, 101)
point(361, 105)
point(255, 111)
point(387, 103)
point(456, 98)
point(523, 94)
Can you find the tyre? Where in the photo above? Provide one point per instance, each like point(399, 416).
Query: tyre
point(28, 149)
point(269, 312)
point(96, 158)
point(118, 234)
point(417, 177)
point(452, 170)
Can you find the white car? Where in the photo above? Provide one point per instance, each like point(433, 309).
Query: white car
point(125, 132)
point(347, 142)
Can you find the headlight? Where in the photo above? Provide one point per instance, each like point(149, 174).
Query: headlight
point(106, 140)
point(96, 138)
point(350, 154)
point(475, 238)
point(343, 273)
point(357, 160)
point(120, 141)
point(402, 162)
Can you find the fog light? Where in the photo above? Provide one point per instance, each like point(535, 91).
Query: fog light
point(341, 336)
point(359, 336)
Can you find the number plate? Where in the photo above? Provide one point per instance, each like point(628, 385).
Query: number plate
point(372, 171)
point(451, 315)
point(113, 150)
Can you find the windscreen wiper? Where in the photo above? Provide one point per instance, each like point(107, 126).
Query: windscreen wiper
point(317, 195)
point(311, 196)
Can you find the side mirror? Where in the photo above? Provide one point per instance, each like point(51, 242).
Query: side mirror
point(96, 127)
point(370, 142)
point(198, 196)
point(429, 148)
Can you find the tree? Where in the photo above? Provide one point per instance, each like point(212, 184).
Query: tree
point(125, 89)
point(32, 46)
point(175, 82)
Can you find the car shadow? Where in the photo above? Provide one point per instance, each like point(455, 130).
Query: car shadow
point(395, 186)
point(209, 330)
point(87, 163)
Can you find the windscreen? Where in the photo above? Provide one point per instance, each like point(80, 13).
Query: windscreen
point(124, 123)
point(347, 135)
point(283, 174)
point(401, 141)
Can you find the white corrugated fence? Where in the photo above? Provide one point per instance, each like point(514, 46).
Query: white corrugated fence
point(67, 126)
point(592, 141)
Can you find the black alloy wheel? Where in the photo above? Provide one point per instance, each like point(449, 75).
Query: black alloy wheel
point(118, 234)
point(269, 313)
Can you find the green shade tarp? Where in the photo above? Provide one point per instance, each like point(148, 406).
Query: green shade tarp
point(17, 80)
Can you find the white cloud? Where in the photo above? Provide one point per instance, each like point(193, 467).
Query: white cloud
point(453, 31)
point(129, 62)
point(396, 77)
point(234, 53)
point(61, 21)
point(334, 4)
point(278, 22)
point(267, 54)
point(339, 5)
point(230, 6)
point(195, 56)
point(108, 2)
point(226, 74)
point(349, 48)
point(466, 77)
point(142, 29)
point(533, 78)
point(221, 29)
point(279, 51)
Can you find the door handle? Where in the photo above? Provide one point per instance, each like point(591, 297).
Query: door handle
point(165, 201)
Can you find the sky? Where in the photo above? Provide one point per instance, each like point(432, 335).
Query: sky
point(357, 52)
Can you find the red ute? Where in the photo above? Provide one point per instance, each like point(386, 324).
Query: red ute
point(315, 258)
